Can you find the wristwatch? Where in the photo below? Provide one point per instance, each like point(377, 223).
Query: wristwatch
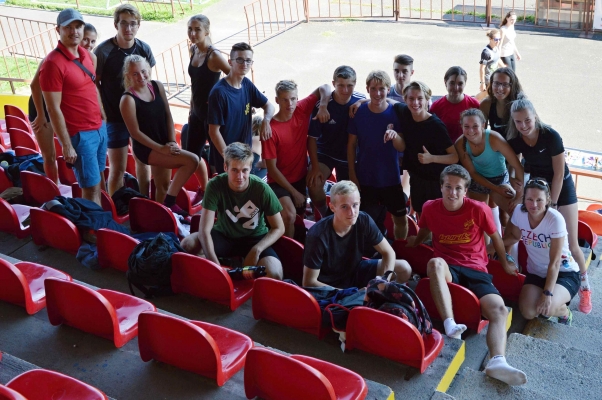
point(548, 293)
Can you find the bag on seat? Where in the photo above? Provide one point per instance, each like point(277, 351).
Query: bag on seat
point(149, 266)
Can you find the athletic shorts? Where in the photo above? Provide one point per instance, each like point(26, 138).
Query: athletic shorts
point(198, 132)
point(568, 280)
point(365, 272)
point(480, 283)
point(91, 149)
point(392, 197)
point(118, 135)
point(300, 186)
point(237, 247)
point(503, 179)
point(568, 194)
point(341, 167)
point(422, 190)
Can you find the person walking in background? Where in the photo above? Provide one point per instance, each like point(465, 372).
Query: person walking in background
point(509, 51)
point(111, 53)
point(205, 68)
point(490, 59)
point(449, 107)
point(148, 119)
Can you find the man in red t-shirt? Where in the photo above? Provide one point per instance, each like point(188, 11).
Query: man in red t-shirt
point(67, 81)
point(458, 225)
point(285, 152)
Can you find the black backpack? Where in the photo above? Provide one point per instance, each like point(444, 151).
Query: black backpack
point(149, 266)
point(397, 299)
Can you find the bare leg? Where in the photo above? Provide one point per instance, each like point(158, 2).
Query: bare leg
point(191, 244)
point(289, 214)
point(161, 176)
point(117, 164)
point(92, 193)
point(439, 275)
point(202, 174)
point(45, 138)
point(402, 269)
point(400, 226)
point(570, 214)
point(143, 175)
point(316, 192)
point(185, 162)
point(273, 267)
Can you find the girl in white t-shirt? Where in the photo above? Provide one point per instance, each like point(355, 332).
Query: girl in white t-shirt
point(509, 51)
point(553, 274)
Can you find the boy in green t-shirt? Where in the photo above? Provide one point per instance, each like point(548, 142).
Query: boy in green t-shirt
point(240, 201)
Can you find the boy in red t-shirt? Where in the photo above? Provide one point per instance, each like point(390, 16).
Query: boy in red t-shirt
point(285, 152)
point(458, 225)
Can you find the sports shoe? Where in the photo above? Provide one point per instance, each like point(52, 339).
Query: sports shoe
point(568, 320)
point(198, 197)
point(585, 301)
point(177, 210)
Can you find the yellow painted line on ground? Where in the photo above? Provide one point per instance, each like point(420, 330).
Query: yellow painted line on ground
point(452, 369)
point(18, 100)
point(391, 396)
point(589, 260)
point(509, 319)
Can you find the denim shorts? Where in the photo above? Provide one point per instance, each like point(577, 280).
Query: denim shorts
point(503, 179)
point(91, 149)
point(118, 135)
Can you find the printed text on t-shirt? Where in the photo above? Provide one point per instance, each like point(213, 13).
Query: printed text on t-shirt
point(249, 210)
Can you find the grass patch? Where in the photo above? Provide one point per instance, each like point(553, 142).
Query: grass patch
point(522, 18)
point(161, 13)
point(327, 33)
point(12, 68)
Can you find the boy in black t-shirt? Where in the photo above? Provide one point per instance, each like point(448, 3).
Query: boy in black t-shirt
point(335, 245)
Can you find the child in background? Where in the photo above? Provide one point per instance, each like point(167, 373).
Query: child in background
point(259, 167)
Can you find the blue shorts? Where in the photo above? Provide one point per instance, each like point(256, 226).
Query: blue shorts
point(118, 135)
point(91, 149)
point(365, 272)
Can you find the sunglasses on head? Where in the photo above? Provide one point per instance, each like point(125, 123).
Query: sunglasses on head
point(538, 181)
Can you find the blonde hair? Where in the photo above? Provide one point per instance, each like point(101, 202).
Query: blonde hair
point(521, 104)
point(256, 124)
point(342, 188)
point(286, 85)
point(128, 9)
point(492, 32)
point(204, 21)
point(129, 60)
point(417, 85)
point(380, 77)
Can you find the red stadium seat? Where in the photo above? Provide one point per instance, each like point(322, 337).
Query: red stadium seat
point(50, 229)
point(509, 286)
point(25, 151)
point(2, 149)
point(465, 305)
point(38, 189)
point(43, 384)
point(371, 331)
point(586, 233)
point(114, 249)
point(15, 112)
point(309, 378)
point(290, 253)
point(202, 278)
point(184, 200)
point(594, 207)
point(105, 313)
point(593, 219)
point(150, 216)
point(66, 174)
point(389, 226)
point(295, 306)
point(199, 347)
point(418, 257)
point(107, 204)
point(194, 223)
point(9, 394)
point(412, 227)
point(5, 140)
point(522, 256)
point(23, 284)
point(22, 138)
point(5, 183)
point(13, 122)
point(12, 217)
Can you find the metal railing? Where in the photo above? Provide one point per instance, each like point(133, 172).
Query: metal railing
point(16, 30)
point(267, 18)
point(19, 61)
point(353, 8)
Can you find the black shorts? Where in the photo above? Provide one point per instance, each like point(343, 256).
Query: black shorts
point(568, 280)
point(237, 247)
point(480, 283)
point(422, 190)
point(300, 186)
point(198, 132)
point(392, 197)
point(568, 193)
point(341, 167)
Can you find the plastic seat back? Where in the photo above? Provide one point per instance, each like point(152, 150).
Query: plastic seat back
point(418, 257)
point(10, 221)
point(265, 368)
point(45, 384)
point(80, 307)
point(465, 305)
point(10, 394)
point(13, 283)
point(179, 343)
point(14, 122)
point(21, 138)
point(114, 249)
point(66, 174)
point(584, 231)
point(509, 286)
point(594, 207)
point(295, 307)
point(412, 227)
point(15, 112)
point(522, 256)
point(25, 151)
point(50, 229)
point(108, 205)
point(290, 253)
point(5, 183)
point(593, 219)
point(150, 216)
point(38, 189)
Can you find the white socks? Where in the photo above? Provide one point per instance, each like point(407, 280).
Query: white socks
point(499, 369)
point(496, 218)
point(452, 329)
point(584, 280)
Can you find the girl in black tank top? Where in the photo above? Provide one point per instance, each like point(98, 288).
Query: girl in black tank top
point(504, 87)
point(148, 118)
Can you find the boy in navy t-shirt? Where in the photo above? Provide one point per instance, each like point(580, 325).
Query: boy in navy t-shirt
point(327, 142)
point(374, 143)
point(230, 102)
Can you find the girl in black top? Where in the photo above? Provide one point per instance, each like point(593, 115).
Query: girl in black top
point(542, 148)
point(205, 68)
point(147, 116)
point(503, 89)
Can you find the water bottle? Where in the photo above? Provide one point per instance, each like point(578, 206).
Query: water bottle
point(251, 272)
point(4, 164)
